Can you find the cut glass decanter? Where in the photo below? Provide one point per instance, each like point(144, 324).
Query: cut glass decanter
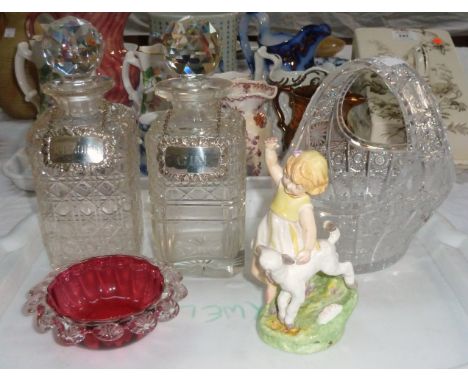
point(83, 152)
point(196, 158)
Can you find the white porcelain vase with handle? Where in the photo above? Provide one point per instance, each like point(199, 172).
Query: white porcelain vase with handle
point(151, 63)
point(252, 99)
point(31, 51)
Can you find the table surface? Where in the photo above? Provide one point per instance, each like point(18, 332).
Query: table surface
point(412, 314)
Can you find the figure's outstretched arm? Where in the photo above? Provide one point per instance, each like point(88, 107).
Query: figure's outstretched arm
point(271, 159)
point(309, 232)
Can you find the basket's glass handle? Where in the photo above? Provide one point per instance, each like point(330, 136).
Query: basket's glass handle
point(414, 99)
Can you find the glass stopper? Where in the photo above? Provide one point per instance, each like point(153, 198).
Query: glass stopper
point(192, 46)
point(72, 47)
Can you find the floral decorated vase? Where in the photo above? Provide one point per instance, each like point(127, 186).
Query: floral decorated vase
point(253, 99)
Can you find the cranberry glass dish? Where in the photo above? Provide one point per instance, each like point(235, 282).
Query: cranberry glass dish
point(106, 302)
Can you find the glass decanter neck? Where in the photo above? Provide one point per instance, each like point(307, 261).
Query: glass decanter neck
point(188, 90)
point(79, 96)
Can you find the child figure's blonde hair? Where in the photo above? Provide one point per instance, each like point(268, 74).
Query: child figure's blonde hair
point(308, 169)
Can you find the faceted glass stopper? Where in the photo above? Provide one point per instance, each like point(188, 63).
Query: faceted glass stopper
point(192, 46)
point(72, 47)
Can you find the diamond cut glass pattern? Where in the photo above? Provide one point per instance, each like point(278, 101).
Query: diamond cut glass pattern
point(196, 162)
point(86, 208)
point(72, 47)
point(198, 222)
point(379, 195)
point(192, 46)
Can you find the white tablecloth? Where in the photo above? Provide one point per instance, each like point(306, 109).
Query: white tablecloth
point(15, 204)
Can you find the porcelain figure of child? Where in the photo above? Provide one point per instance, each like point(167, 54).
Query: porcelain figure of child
point(288, 255)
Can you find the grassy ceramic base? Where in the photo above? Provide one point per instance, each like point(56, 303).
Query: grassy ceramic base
point(308, 336)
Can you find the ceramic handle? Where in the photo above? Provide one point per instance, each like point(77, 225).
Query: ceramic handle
point(23, 53)
point(279, 111)
point(130, 59)
point(288, 129)
point(259, 71)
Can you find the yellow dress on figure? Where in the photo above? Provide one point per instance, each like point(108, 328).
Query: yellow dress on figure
point(280, 229)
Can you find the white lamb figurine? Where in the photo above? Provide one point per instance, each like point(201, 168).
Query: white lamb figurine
point(294, 278)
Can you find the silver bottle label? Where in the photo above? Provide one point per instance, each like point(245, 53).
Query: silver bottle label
point(76, 150)
point(192, 159)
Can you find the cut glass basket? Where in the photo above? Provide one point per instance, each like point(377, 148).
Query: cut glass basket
point(379, 194)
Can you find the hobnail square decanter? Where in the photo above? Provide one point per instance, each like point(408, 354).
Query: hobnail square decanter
point(83, 152)
point(196, 161)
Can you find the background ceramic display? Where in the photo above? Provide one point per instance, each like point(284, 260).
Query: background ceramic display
point(298, 99)
point(31, 51)
point(225, 23)
point(295, 89)
point(432, 53)
point(253, 100)
point(297, 52)
point(280, 76)
point(152, 66)
point(12, 32)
